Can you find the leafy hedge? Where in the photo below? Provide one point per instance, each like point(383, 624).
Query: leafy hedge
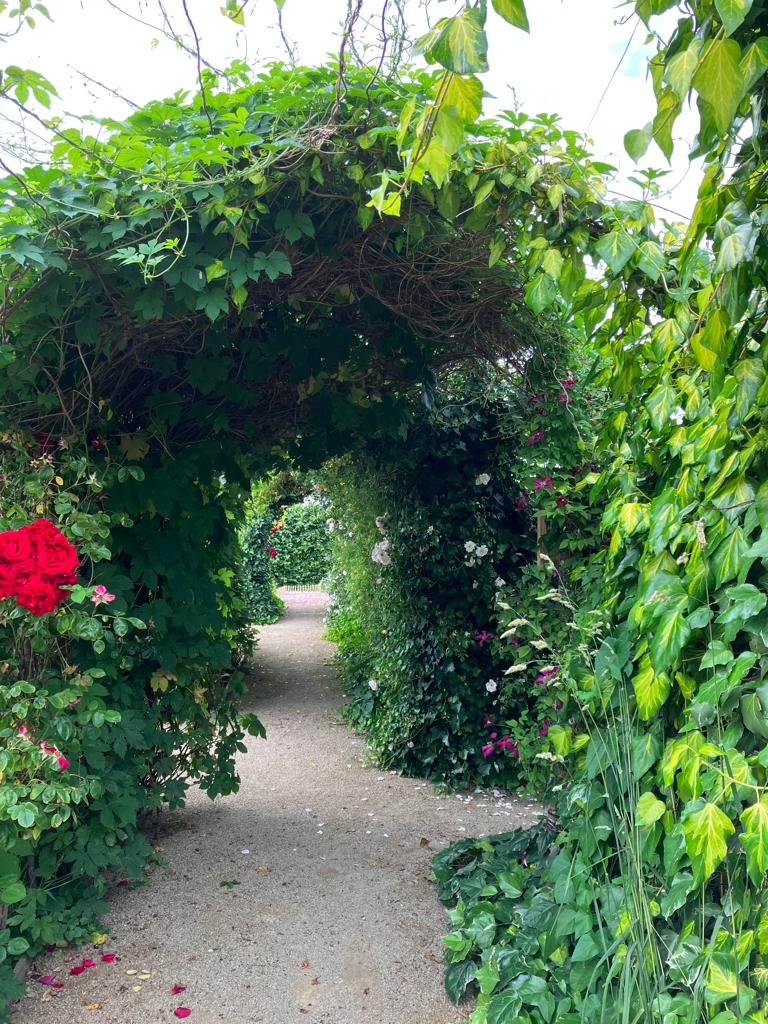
point(110, 706)
point(427, 534)
point(302, 543)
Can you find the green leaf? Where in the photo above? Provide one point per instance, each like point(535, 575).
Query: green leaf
point(503, 1008)
point(743, 602)
point(706, 833)
point(735, 237)
point(732, 13)
point(679, 71)
point(755, 61)
point(637, 141)
point(670, 638)
point(457, 977)
point(540, 293)
point(460, 43)
point(17, 946)
point(615, 248)
point(668, 108)
point(650, 808)
point(514, 12)
point(466, 95)
point(729, 559)
point(711, 343)
point(12, 891)
point(720, 82)
point(651, 689)
point(660, 404)
point(750, 373)
point(650, 259)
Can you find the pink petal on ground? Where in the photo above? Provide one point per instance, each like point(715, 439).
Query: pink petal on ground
point(58, 984)
point(178, 988)
point(89, 963)
point(181, 1011)
point(76, 970)
point(109, 958)
point(48, 979)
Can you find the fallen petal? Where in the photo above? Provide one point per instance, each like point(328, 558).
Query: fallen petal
point(178, 988)
point(77, 970)
point(181, 1011)
point(109, 958)
point(48, 979)
point(58, 984)
point(89, 963)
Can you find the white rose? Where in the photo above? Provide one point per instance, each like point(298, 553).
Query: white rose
point(482, 551)
point(491, 686)
point(373, 685)
point(499, 582)
point(482, 479)
point(470, 545)
point(677, 415)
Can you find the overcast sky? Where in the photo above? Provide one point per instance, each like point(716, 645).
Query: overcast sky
point(564, 66)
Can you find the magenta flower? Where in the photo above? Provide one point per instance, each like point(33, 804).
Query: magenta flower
point(537, 435)
point(101, 595)
point(63, 763)
point(539, 484)
point(543, 730)
point(483, 637)
point(569, 383)
point(515, 641)
point(565, 398)
point(561, 501)
point(272, 552)
point(488, 749)
point(521, 502)
point(488, 722)
point(559, 705)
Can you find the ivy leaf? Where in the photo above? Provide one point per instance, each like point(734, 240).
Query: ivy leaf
point(706, 833)
point(743, 601)
point(668, 108)
point(679, 71)
point(637, 141)
point(735, 237)
point(514, 12)
point(650, 259)
point(457, 977)
point(651, 689)
point(755, 61)
point(732, 13)
point(615, 248)
point(540, 293)
point(710, 344)
point(503, 1007)
point(466, 95)
point(670, 638)
point(660, 404)
point(460, 43)
point(729, 558)
point(750, 374)
point(650, 808)
point(720, 81)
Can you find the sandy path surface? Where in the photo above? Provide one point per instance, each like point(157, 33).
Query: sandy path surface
point(333, 920)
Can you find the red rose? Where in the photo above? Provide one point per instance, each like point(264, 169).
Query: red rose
point(16, 545)
point(54, 555)
point(13, 576)
point(37, 596)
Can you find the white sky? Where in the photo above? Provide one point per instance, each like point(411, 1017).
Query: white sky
point(563, 66)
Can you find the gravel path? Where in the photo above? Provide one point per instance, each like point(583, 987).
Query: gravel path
point(333, 920)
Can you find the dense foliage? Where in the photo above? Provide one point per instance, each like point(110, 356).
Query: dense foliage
point(299, 535)
point(117, 700)
point(427, 534)
point(652, 905)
